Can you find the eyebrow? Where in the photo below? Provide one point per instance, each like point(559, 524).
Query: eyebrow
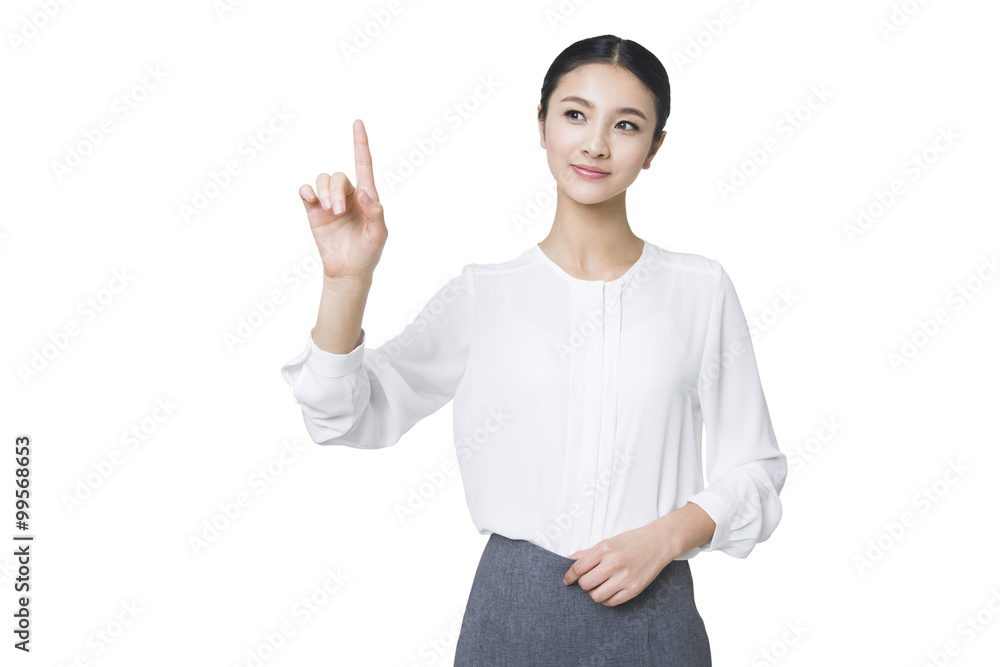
point(622, 110)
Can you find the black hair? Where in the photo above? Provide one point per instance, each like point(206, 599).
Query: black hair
point(612, 50)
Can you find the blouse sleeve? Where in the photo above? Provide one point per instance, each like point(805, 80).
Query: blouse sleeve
point(369, 398)
point(746, 470)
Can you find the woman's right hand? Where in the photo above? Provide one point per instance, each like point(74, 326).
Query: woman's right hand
point(351, 240)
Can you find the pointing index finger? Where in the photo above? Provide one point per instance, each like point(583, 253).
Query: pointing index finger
point(363, 159)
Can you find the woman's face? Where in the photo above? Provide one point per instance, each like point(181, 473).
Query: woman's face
point(594, 120)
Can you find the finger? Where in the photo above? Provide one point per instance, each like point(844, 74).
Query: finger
point(592, 574)
point(606, 592)
point(309, 198)
point(340, 190)
point(579, 566)
point(618, 598)
point(363, 172)
point(323, 189)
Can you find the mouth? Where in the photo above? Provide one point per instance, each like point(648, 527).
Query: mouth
point(589, 172)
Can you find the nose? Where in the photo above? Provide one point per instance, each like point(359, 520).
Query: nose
point(595, 144)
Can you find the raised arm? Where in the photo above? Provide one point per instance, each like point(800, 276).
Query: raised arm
point(351, 395)
point(349, 229)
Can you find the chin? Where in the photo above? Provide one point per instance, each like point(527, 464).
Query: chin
point(593, 199)
point(597, 193)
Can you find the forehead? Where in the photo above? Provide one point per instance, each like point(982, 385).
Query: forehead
point(604, 85)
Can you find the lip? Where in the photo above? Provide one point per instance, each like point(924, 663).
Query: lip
point(589, 172)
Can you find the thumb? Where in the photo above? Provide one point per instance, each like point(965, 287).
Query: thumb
point(369, 205)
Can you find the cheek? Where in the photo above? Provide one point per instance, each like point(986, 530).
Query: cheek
point(557, 143)
point(634, 156)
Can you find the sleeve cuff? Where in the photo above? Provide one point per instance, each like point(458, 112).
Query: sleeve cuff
point(716, 508)
point(329, 364)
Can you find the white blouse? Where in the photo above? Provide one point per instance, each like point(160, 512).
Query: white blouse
point(579, 404)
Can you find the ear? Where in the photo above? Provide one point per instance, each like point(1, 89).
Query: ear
point(653, 151)
point(541, 128)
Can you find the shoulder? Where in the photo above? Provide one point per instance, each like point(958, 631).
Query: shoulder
point(524, 263)
point(482, 272)
point(674, 262)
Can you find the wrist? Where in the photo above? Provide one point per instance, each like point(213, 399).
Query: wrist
point(347, 284)
point(663, 535)
point(681, 530)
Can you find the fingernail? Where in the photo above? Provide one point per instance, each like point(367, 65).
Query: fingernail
point(338, 207)
point(325, 202)
point(365, 198)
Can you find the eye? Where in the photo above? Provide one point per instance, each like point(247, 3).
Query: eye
point(570, 112)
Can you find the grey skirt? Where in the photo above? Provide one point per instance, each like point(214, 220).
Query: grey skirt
point(520, 614)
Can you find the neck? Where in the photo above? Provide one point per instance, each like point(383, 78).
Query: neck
point(591, 239)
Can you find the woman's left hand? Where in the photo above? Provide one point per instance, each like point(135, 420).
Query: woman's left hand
point(617, 569)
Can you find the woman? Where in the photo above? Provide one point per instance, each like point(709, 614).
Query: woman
point(582, 373)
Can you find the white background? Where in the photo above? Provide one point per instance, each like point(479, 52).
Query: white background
point(167, 334)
